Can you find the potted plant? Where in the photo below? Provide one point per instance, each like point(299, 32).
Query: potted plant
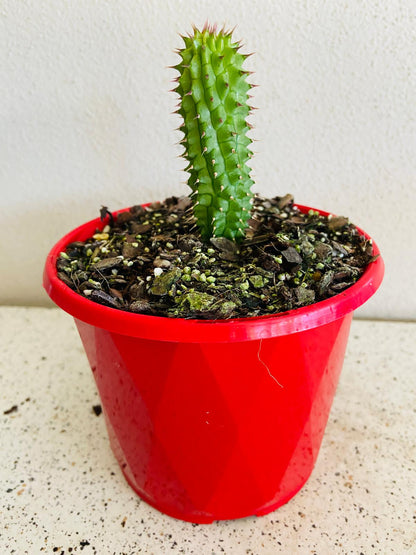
point(215, 325)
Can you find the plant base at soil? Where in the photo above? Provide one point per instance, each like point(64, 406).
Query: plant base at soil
point(151, 260)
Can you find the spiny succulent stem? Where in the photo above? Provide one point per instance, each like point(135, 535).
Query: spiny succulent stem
point(213, 94)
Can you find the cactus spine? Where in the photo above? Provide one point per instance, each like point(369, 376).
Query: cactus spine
point(213, 92)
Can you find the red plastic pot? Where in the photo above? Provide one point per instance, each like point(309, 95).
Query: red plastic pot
point(214, 420)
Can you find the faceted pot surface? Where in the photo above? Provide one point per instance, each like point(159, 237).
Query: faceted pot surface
point(217, 431)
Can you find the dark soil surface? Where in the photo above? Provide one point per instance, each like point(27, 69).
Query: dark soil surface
point(151, 260)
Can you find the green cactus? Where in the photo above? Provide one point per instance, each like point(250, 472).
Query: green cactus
point(213, 92)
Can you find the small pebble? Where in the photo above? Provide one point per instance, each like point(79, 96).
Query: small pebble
point(101, 236)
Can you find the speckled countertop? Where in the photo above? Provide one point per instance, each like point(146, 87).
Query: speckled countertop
point(62, 490)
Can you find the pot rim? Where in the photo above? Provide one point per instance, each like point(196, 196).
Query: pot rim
point(205, 331)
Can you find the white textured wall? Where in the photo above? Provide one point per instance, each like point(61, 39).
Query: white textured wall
point(85, 119)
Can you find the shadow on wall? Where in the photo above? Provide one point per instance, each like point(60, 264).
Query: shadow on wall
point(25, 251)
point(103, 170)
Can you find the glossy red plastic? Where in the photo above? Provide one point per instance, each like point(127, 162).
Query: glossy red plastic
point(213, 420)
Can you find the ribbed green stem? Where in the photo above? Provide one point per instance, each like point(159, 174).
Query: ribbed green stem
point(214, 92)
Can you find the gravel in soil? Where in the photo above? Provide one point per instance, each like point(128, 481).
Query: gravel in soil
point(151, 260)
